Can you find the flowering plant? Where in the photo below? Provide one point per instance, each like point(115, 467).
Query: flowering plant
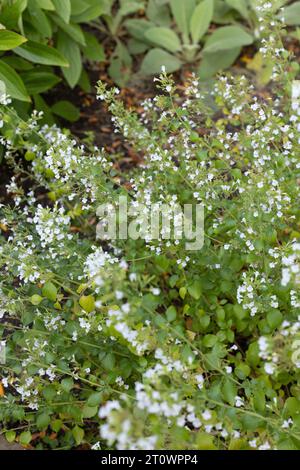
point(156, 346)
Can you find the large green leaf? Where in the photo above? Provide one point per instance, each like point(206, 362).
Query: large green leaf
point(164, 37)
point(9, 40)
point(70, 50)
point(228, 37)
point(201, 20)
point(41, 54)
point(39, 81)
point(213, 63)
point(14, 84)
point(63, 8)
point(46, 4)
point(182, 11)
point(40, 21)
point(156, 58)
point(291, 14)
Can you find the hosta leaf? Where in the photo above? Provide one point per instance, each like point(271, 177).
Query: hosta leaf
point(201, 20)
point(164, 37)
point(41, 54)
point(14, 84)
point(228, 37)
point(10, 40)
point(156, 58)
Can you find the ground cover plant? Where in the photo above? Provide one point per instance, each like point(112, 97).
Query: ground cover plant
point(141, 344)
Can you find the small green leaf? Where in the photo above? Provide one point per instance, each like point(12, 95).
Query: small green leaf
point(43, 421)
point(171, 313)
point(87, 302)
point(10, 40)
point(36, 299)
point(10, 436)
point(78, 434)
point(50, 291)
point(195, 290)
point(25, 438)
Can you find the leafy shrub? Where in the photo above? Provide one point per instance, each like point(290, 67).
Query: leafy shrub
point(179, 350)
point(41, 35)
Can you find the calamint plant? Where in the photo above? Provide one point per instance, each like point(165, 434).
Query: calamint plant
point(140, 344)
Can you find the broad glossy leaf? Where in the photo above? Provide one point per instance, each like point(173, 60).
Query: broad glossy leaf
point(41, 54)
point(63, 9)
point(70, 50)
point(14, 84)
point(9, 40)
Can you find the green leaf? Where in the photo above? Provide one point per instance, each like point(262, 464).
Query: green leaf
point(63, 8)
point(229, 391)
point(78, 434)
point(46, 4)
point(195, 290)
point(93, 50)
point(25, 438)
point(291, 14)
point(171, 313)
point(90, 13)
point(182, 12)
point(228, 37)
point(239, 5)
point(274, 319)
point(87, 302)
point(89, 411)
point(70, 50)
point(94, 399)
point(137, 28)
point(10, 40)
point(40, 21)
point(213, 63)
point(43, 421)
point(155, 59)
point(41, 54)
point(36, 299)
point(201, 20)
point(39, 82)
point(67, 384)
point(14, 84)
point(164, 37)
point(73, 30)
point(66, 110)
point(10, 436)
point(204, 441)
point(50, 291)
